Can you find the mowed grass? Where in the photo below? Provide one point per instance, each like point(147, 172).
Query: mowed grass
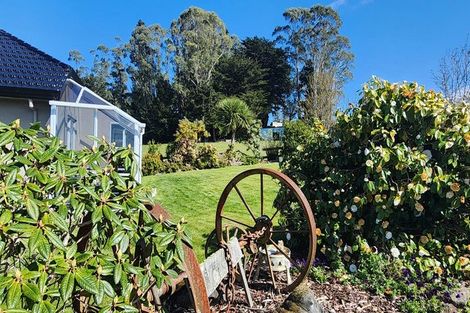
point(194, 195)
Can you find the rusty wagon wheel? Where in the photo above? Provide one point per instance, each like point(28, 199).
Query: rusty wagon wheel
point(268, 233)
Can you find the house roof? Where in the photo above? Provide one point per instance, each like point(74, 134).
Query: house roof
point(27, 72)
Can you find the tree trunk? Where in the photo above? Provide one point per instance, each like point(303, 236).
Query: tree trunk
point(233, 139)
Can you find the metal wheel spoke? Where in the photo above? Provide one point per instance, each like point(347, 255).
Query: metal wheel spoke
point(235, 221)
point(262, 193)
point(275, 213)
point(244, 203)
point(270, 266)
point(283, 253)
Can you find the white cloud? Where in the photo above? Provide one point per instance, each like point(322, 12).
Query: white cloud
point(355, 3)
point(337, 3)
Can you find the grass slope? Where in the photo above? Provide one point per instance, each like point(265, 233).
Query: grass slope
point(194, 195)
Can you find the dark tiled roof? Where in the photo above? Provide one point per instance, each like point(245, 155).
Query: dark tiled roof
point(27, 71)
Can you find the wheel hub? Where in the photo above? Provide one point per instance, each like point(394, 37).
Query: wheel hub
point(264, 226)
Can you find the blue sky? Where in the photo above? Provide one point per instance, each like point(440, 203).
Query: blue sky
point(393, 39)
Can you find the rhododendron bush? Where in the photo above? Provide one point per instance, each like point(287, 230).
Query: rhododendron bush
point(391, 175)
point(75, 235)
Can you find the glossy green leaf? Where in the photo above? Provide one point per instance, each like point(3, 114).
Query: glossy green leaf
point(31, 291)
point(34, 240)
point(86, 280)
point(66, 286)
point(58, 221)
point(14, 295)
point(54, 239)
point(117, 273)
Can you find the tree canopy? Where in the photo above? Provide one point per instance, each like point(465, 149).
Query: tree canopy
point(320, 58)
point(163, 75)
point(199, 39)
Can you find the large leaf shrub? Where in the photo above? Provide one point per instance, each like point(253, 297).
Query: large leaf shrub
point(74, 233)
point(392, 174)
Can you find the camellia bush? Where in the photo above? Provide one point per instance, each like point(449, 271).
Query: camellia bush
point(391, 175)
point(75, 235)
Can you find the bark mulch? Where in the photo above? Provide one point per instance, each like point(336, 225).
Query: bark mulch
point(334, 297)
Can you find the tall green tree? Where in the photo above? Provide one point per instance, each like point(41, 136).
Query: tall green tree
point(145, 52)
point(274, 63)
point(316, 50)
point(152, 95)
point(239, 76)
point(96, 78)
point(199, 39)
point(119, 77)
point(134, 76)
point(258, 73)
point(233, 116)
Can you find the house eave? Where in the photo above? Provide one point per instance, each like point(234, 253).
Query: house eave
point(18, 92)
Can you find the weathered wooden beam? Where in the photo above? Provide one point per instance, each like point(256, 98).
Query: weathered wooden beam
point(215, 268)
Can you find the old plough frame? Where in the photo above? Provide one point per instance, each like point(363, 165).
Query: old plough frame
point(246, 248)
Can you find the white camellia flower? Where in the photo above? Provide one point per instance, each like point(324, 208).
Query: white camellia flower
point(428, 154)
point(395, 252)
point(336, 144)
point(353, 268)
point(397, 200)
point(449, 194)
point(353, 208)
point(388, 235)
point(366, 151)
point(327, 169)
point(288, 236)
point(467, 181)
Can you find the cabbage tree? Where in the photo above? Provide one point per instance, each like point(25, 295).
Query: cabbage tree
point(232, 115)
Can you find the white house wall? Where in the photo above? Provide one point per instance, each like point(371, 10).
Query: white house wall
point(13, 108)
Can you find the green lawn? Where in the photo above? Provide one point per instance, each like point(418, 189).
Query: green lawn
point(195, 195)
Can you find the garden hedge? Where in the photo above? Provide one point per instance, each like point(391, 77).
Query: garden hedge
point(391, 175)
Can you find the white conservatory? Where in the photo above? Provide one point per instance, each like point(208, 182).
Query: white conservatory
point(81, 113)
